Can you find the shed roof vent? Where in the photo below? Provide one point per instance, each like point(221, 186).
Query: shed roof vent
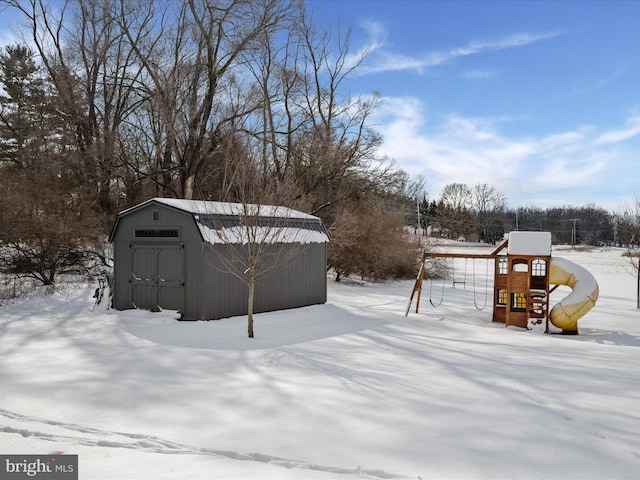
point(156, 233)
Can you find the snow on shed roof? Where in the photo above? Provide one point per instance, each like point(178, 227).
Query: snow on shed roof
point(529, 243)
point(201, 207)
point(261, 234)
point(219, 222)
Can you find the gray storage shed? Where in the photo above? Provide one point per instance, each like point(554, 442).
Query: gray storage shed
point(169, 254)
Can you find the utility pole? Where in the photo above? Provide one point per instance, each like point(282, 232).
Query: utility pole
point(418, 211)
point(573, 232)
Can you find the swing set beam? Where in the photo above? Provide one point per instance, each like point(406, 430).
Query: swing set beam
point(489, 256)
point(458, 255)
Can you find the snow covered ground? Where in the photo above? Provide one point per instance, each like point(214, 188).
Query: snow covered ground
point(350, 389)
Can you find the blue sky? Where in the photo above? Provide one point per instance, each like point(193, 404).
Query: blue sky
point(540, 99)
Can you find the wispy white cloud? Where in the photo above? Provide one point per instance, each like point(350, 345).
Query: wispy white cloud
point(599, 83)
point(386, 60)
point(579, 166)
point(510, 41)
point(480, 74)
point(630, 130)
point(377, 36)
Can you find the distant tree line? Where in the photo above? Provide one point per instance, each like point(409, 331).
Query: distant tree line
point(479, 213)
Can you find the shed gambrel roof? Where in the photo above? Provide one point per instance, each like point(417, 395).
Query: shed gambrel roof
point(220, 222)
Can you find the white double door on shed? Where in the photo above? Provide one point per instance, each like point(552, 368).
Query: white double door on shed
point(157, 277)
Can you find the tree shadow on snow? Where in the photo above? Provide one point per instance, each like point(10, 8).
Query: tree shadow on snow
point(605, 337)
point(272, 329)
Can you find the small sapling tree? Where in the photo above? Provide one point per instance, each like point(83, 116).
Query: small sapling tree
point(259, 238)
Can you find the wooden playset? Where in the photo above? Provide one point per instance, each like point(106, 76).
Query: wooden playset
point(522, 283)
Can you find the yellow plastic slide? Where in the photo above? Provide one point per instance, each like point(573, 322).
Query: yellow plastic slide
point(566, 313)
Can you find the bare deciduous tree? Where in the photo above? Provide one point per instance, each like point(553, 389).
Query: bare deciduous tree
point(46, 234)
point(456, 196)
point(260, 239)
point(331, 150)
point(373, 246)
point(489, 206)
point(454, 218)
point(629, 234)
point(194, 66)
point(91, 66)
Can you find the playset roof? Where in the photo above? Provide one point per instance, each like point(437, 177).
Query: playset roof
point(529, 243)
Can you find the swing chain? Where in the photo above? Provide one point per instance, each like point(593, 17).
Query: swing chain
point(486, 285)
point(431, 296)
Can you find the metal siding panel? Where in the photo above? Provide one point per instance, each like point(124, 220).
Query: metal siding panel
point(121, 269)
point(192, 300)
point(230, 292)
point(298, 284)
point(221, 294)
